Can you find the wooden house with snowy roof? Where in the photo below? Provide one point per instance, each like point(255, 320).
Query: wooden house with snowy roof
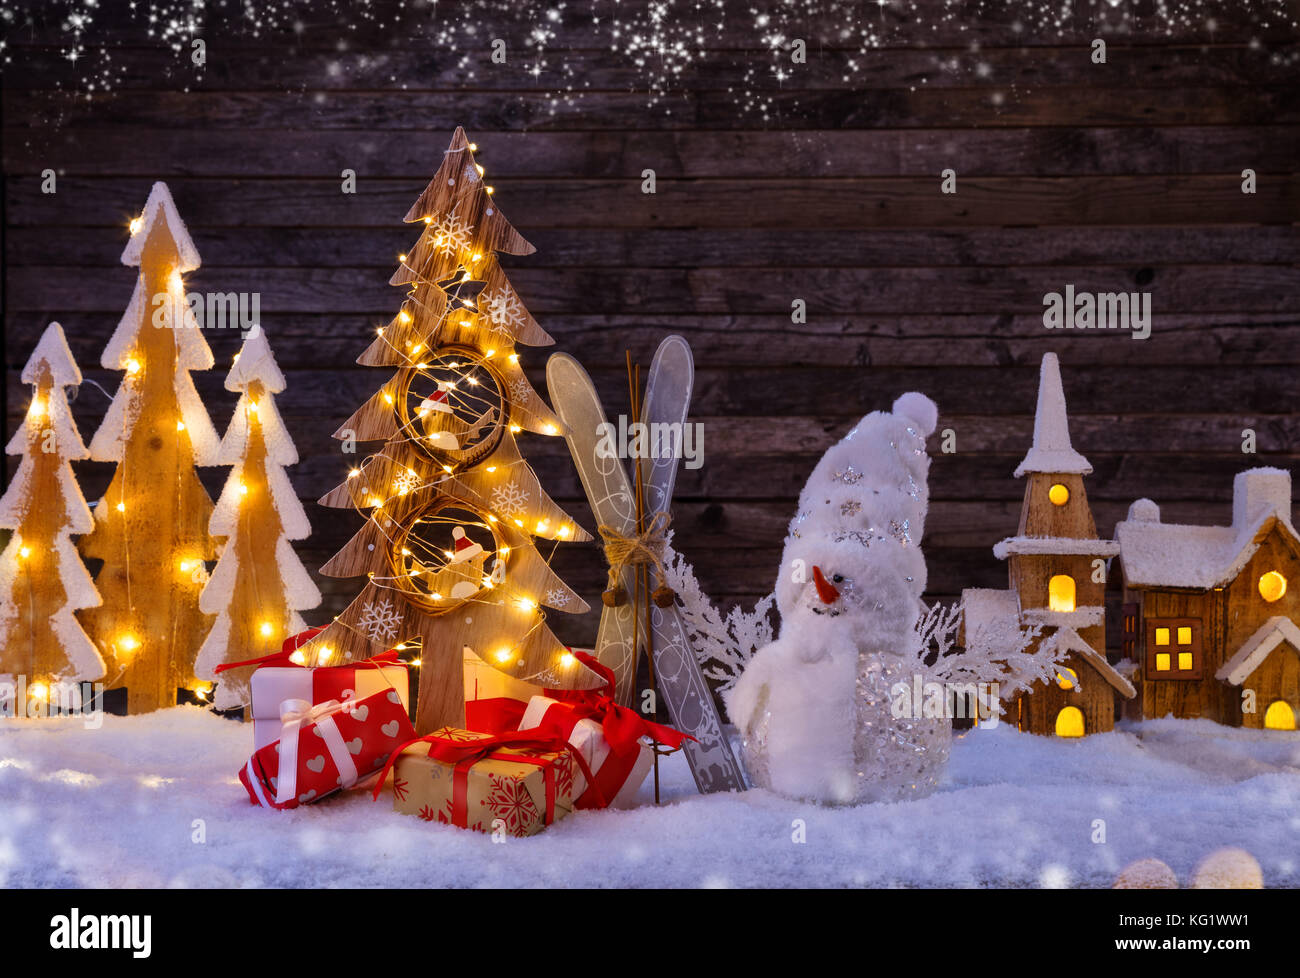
point(1057, 570)
point(1211, 612)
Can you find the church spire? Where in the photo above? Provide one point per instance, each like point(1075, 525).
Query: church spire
point(1051, 451)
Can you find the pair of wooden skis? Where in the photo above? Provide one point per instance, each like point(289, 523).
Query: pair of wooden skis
point(613, 500)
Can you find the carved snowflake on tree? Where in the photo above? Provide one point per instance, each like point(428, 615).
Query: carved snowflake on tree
point(509, 499)
point(451, 235)
point(406, 482)
point(503, 311)
point(557, 598)
point(380, 620)
point(521, 391)
point(509, 800)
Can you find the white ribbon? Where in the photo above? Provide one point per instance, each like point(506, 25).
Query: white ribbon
point(294, 716)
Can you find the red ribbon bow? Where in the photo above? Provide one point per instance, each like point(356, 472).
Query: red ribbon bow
point(294, 642)
point(622, 726)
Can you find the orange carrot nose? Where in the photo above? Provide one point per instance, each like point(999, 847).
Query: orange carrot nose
point(825, 589)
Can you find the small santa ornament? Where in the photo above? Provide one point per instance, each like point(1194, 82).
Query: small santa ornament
point(465, 548)
point(439, 400)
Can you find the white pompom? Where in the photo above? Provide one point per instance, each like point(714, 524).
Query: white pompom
point(918, 408)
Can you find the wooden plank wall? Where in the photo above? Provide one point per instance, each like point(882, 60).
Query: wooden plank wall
point(1122, 176)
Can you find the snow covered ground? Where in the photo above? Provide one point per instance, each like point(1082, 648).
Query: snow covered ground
point(118, 807)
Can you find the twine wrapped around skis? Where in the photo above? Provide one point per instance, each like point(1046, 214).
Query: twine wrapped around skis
point(635, 550)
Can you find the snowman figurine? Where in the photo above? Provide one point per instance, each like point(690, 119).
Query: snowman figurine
point(814, 706)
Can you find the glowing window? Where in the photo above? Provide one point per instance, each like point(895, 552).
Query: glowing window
point(1184, 634)
point(1058, 494)
point(1060, 593)
point(1162, 636)
point(1162, 661)
point(1066, 678)
point(1069, 722)
point(1279, 716)
point(1184, 660)
point(1272, 586)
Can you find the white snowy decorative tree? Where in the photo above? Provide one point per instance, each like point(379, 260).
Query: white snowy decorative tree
point(151, 526)
point(42, 579)
point(259, 585)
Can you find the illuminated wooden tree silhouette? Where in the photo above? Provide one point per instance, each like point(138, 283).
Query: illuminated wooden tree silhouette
point(453, 508)
point(259, 585)
point(42, 579)
point(151, 526)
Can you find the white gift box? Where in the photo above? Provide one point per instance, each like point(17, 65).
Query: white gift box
point(588, 739)
point(272, 685)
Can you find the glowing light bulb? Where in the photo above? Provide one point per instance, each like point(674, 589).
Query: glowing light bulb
point(488, 582)
point(502, 655)
point(403, 316)
point(129, 642)
point(25, 552)
point(513, 358)
point(550, 429)
point(325, 655)
point(401, 258)
point(476, 257)
point(473, 381)
point(133, 366)
point(490, 190)
point(265, 629)
point(374, 501)
point(37, 409)
point(415, 663)
point(490, 354)
point(526, 604)
point(354, 473)
point(252, 406)
point(243, 489)
point(491, 518)
point(180, 425)
point(121, 507)
point(541, 525)
point(491, 468)
point(186, 565)
point(567, 660)
point(136, 224)
point(473, 147)
point(515, 429)
point(379, 331)
point(504, 551)
point(39, 691)
point(563, 531)
point(175, 282)
point(479, 167)
point(437, 596)
point(297, 658)
point(519, 522)
point(388, 398)
point(428, 220)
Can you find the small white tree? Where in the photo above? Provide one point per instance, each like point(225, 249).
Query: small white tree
point(258, 585)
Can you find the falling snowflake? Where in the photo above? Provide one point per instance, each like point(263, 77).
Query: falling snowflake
point(380, 620)
point(509, 800)
point(451, 235)
point(521, 391)
point(503, 311)
point(509, 499)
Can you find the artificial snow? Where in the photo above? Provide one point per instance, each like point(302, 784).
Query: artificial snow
point(154, 800)
point(1051, 546)
point(161, 206)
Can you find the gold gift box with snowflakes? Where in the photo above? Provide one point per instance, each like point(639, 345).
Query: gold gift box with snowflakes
point(475, 781)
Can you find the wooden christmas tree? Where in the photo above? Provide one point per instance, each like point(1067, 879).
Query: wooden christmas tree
point(151, 526)
point(259, 585)
point(42, 579)
point(453, 508)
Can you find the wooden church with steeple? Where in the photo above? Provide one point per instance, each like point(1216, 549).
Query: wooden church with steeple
point(1057, 568)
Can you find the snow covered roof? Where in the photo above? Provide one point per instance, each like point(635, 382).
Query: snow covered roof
point(52, 350)
point(1051, 450)
point(1257, 648)
point(160, 203)
point(1068, 638)
point(1054, 545)
point(1084, 616)
point(1155, 554)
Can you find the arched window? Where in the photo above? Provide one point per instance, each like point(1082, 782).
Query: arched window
point(1066, 678)
point(1060, 593)
point(1069, 722)
point(1279, 716)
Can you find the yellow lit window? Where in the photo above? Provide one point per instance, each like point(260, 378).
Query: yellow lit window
point(1184, 660)
point(1060, 593)
point(1059, 495)
point(1162, 636)
point(1184, 635)
point(1069, 722)
point(1066, 678)
point(1162, 661)
point(1279, 716)
point(1272, 586)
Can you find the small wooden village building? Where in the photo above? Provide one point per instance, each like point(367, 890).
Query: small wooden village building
point(1210, 612)
point(1057, 570)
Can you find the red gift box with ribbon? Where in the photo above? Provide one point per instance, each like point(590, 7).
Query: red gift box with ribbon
point(279, 677)
point(515, 783)
point(324, 748)
point(609, 737)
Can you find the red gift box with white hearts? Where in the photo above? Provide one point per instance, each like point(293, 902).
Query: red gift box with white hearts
point(326, 747)
point(279, 677)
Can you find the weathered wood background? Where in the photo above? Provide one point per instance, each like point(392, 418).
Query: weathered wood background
point(1122, 176)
